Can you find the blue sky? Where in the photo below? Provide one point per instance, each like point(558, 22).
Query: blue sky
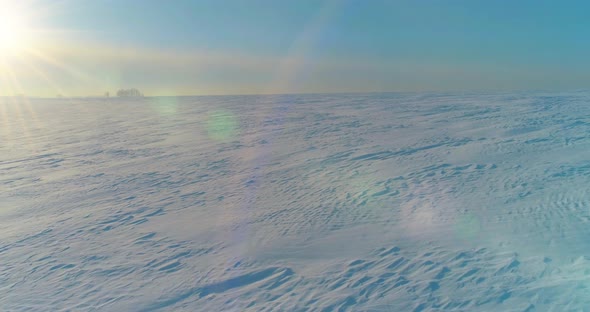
point(266, 46)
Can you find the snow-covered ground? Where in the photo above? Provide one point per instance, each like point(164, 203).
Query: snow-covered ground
point(360, 202)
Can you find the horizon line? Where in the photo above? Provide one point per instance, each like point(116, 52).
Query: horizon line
point(298, 93)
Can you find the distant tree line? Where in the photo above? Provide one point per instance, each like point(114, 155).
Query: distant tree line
point(129, 93)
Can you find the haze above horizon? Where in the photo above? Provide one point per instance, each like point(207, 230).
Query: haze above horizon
point(82, 48)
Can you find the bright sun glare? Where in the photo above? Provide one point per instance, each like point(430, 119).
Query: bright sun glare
point(22, 49)
point(14, 31)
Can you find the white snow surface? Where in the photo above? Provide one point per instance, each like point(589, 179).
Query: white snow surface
point(348, 202)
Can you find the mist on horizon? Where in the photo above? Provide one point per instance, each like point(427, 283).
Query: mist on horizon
point(81, 48)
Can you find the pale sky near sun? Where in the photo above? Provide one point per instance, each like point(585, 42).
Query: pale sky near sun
point(85, 48)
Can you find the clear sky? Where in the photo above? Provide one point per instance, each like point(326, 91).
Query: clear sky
point(296, 46)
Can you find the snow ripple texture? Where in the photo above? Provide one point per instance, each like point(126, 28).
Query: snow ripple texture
point(359, 202)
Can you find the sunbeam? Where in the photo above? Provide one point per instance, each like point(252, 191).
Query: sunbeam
point(17, 103)
point(47, 59)
point(39, 73)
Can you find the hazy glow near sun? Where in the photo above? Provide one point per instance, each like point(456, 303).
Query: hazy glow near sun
point(14, 31)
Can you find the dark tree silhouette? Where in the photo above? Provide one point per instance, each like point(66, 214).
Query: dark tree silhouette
point(129, 93)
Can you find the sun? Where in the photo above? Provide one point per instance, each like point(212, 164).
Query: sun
point(14, 31)
point(27, 45)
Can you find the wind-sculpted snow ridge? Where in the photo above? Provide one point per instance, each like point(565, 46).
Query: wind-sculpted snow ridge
point(358, 202)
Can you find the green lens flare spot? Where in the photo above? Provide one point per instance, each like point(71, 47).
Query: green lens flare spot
point(467, 226)
point(221, 125)
point(165, 106)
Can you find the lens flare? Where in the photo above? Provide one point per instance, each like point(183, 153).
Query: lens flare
point(165, 105)
point(221, 125)
point(467, 227)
